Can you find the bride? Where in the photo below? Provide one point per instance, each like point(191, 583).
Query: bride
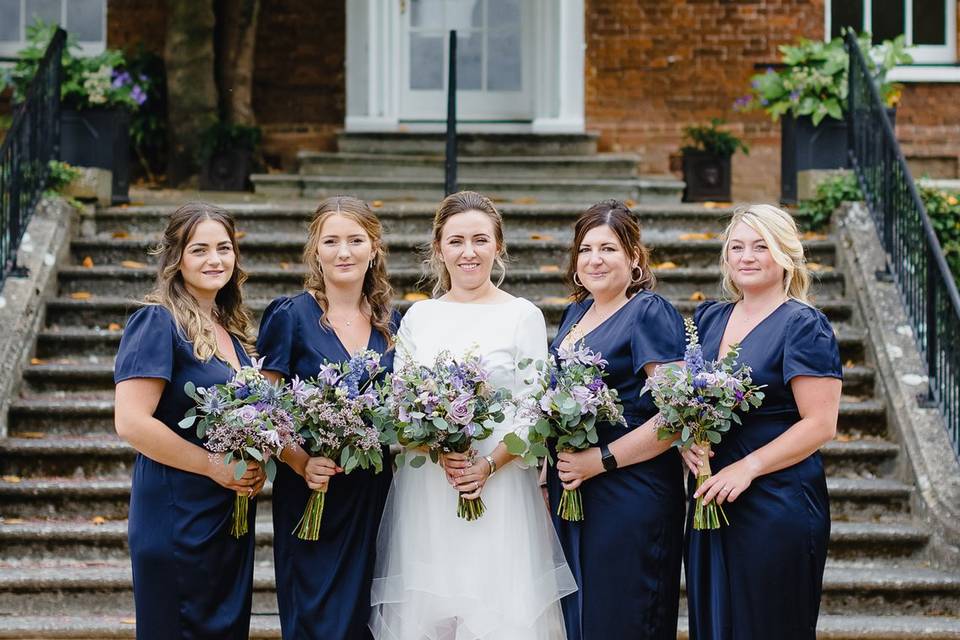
point(500, 577)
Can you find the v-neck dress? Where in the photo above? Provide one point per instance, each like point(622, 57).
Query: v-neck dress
point(780, 526)
point(323, 586)
point(626, 552)
point(191, 578)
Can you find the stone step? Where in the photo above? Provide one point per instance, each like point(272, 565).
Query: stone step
point(600, 166)
point(866, 457)
point(66, 314)
point(266, 282)
point(582, 191)
point(408, 251)
point(469, 143)
point(520, 219)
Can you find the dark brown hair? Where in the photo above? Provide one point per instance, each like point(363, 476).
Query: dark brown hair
point(616, 215)
point(376, 286)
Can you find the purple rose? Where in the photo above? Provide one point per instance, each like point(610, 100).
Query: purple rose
point(248, 414)
point(460, 410)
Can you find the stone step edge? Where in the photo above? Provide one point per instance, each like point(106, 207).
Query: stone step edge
point(479, 184)
point(598, 158)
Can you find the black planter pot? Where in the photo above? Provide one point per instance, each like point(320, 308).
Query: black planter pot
point(99, 138)
point(227, 170)
point(804, 146)
point(706, 177)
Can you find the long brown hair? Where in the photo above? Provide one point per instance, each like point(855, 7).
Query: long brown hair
point(453, 204)
point(376, 291)
point(170, 290)
point(616, 215)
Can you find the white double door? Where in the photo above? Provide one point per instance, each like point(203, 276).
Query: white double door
point(494, 59)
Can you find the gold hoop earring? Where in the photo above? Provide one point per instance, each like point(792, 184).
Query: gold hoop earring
point(577, 282)
point(639, 277)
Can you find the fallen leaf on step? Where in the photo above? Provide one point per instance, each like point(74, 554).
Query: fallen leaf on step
point(113, 326)
point(129, 621)
point(698, 236)
point(98, 520)
point(816, 266)
point(813, 235)
point(555, 300)
point(11, 520)
point(137, 203)
point(848, 364)
point(376, 204)
point(630, 203)
point(37, 361)
point(285, 266)
point(241, 234)
point(119, 235)
point(698, 296)
point(524, 200)
point(842, 437)
point(11, 479)
point(664, 266)
point(540, 236)
point(81, 295)
point(132, 264)
point(716, 205)
point(87, 262)
point(549, 268)
point(32, 435)
point(413, 296)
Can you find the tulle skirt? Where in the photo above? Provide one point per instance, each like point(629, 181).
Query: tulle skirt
point(439, 577)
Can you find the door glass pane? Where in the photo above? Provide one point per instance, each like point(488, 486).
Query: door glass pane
point(10, 20)
point(503, 13)
point(505, 62)
point(46, 10)
point(470, 61)
point(426, 13)
point(888, 19)
point(85, 19)
point(464, 14)
point(845, 13)
point(426, 61)
point(929, 22)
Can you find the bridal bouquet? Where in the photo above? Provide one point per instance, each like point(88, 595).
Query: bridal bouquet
point(334, 413)
point(699, 401)
point(571, 400)
point(443, 409)
point(248, 419)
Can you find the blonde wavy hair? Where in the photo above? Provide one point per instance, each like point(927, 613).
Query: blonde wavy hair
point(453, 204)
point(170, 290)
point(779, 231)
point(376, 292)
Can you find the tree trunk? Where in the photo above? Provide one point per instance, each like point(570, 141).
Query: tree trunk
point(236, 43)
point(191, 88)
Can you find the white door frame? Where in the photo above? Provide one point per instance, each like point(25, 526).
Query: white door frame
point(373, 67)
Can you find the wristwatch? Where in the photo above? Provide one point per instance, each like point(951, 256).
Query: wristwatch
point(607, 458)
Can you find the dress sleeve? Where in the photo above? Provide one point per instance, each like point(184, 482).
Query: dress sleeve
point(277, 334)
point(701, 310)
point(531, 343)
point(657, 334)
point(810, 347)
point(147, 346)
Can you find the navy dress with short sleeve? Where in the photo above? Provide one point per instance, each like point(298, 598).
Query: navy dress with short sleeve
point(323, 586)
point(191, 578)
point(626, 553)
point(780, 526)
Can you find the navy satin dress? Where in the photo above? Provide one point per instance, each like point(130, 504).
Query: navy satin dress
point(626, 553)
point(191, 578)
point(323, 586)
point(780, 526)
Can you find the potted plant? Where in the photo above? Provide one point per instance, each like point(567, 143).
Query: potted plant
point(706, 161)
point(227, 156)
point(809, 93)
point(97, 97)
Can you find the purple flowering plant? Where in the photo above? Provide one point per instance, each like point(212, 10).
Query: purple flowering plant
point(700, 401)
point(334, 412)
point(442, 409)
point(572, 398)
point(249, 420)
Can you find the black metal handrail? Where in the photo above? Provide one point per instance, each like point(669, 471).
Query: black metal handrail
point(450, 165)
point(32, 141)
point(914, 256)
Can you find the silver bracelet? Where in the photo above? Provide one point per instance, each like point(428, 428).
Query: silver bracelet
point(493, 465)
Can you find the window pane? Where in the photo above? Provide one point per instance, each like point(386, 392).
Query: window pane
point(10, 20)
point(929, 22)
point(505, 62)
point(469, 61)
point(426, 13)
point(888, 19)
point(46, 10)
point(503, 13)
point(845, 13)
point(85, 19)
point(463, 14)
point(426, 61)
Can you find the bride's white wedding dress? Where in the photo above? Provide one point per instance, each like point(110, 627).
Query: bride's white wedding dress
point(500, 577)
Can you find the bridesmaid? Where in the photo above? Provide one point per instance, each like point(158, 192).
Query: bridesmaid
point(323, 587)
point(626, 552)
point(767, 473)
point(191, 578)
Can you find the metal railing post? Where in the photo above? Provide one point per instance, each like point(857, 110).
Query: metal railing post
point(450, 166)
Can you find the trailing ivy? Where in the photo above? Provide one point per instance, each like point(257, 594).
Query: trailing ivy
point(814, 215)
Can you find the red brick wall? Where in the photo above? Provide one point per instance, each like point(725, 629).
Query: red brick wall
point(928, 128)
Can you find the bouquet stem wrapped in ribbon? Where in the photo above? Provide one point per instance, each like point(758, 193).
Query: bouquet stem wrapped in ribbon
point(249, 420)
point(699, 401)
point(334, 413)
point(442, 409)
point(571, 400)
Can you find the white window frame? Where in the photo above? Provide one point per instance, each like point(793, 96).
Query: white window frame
point(87, 47)
point(931, 63)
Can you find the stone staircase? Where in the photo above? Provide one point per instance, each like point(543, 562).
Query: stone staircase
point(64, 474)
